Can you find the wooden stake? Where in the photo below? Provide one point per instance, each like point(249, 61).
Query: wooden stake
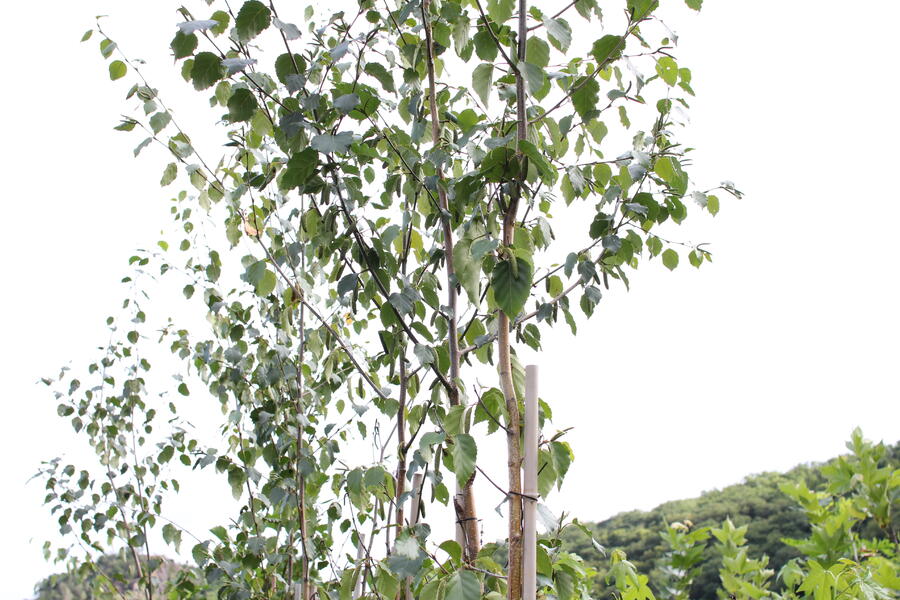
point(529, 541)
point(413, 519)
point(360, 550)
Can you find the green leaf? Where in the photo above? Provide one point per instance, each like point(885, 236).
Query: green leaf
point(241, 105)
point(159, 121)
point(183, 45)
point(560, 33)
point(500, 10)
point(482, 246)
point(641, 9)
point(511, 285)
point(206, 70)
point(547, 173)
point(500, 164)
point(117, 70)
point(534, 77)
point(585, 98)
point(669, 169)
point(332, 143)
point(468, 270)
point(107, 46)
point(236, 479)
point(712, 204)
point(695, 4)
point(346, 103)
point(300, 168)
point(407, 557)
point(554, 286)
point(607, 49)
point(169, 174)
point(465, 451)
point(667, 69)
point(485, 48)
point(463, 585)
point(183, 389)
point(670, 259)
point(253, 18)
point(379, 72)
point(223, 20)
point(261, 278)
point(284, 66)
point(537, 52)
point(467, 119)
point(482, 77)
point(87, 35)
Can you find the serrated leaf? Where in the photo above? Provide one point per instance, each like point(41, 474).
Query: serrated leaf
point(537, 52)
point(534, 77)
point(236, 479)
point(241, 105)
point(468, 270)
point(347, 284)
point(667, 69)
point(607, 49)
point(253, 18)
point(585, 98)
point(482, 246)
point(189, 27)
point(500, 10)
point(379, 72)
point(183, 44)
point(117, 70)
point(670, 259)
point(346, 103)
point(641, 9)
point(482, 77)
point(547, 173)
point(463, 585)
point(332, 143)
point(222, 19)
point(511, 285)
point(234, 65)
point(300, 168)
point(560, 33)
point(159, 121)
point(465, 453)
point(169, 174)
point(206, 70)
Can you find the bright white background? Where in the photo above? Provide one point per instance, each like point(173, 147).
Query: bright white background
point(764, 359)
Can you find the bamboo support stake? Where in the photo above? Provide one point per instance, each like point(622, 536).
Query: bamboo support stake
point(413, 519)
point(529, 541)
point(360, 551)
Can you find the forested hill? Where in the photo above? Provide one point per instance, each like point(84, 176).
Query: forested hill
point(757, 502)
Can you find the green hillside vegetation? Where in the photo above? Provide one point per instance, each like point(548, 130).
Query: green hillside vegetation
point(758, 503)
point(774, 537)
point(115, 576)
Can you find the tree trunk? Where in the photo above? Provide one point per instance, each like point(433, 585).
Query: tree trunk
point(466, 516)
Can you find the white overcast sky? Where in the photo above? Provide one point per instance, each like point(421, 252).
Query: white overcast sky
point(764, 359)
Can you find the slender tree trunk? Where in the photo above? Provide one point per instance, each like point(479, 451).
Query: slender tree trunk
point(513, 436)
point(465, 499)
point(401, 448)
